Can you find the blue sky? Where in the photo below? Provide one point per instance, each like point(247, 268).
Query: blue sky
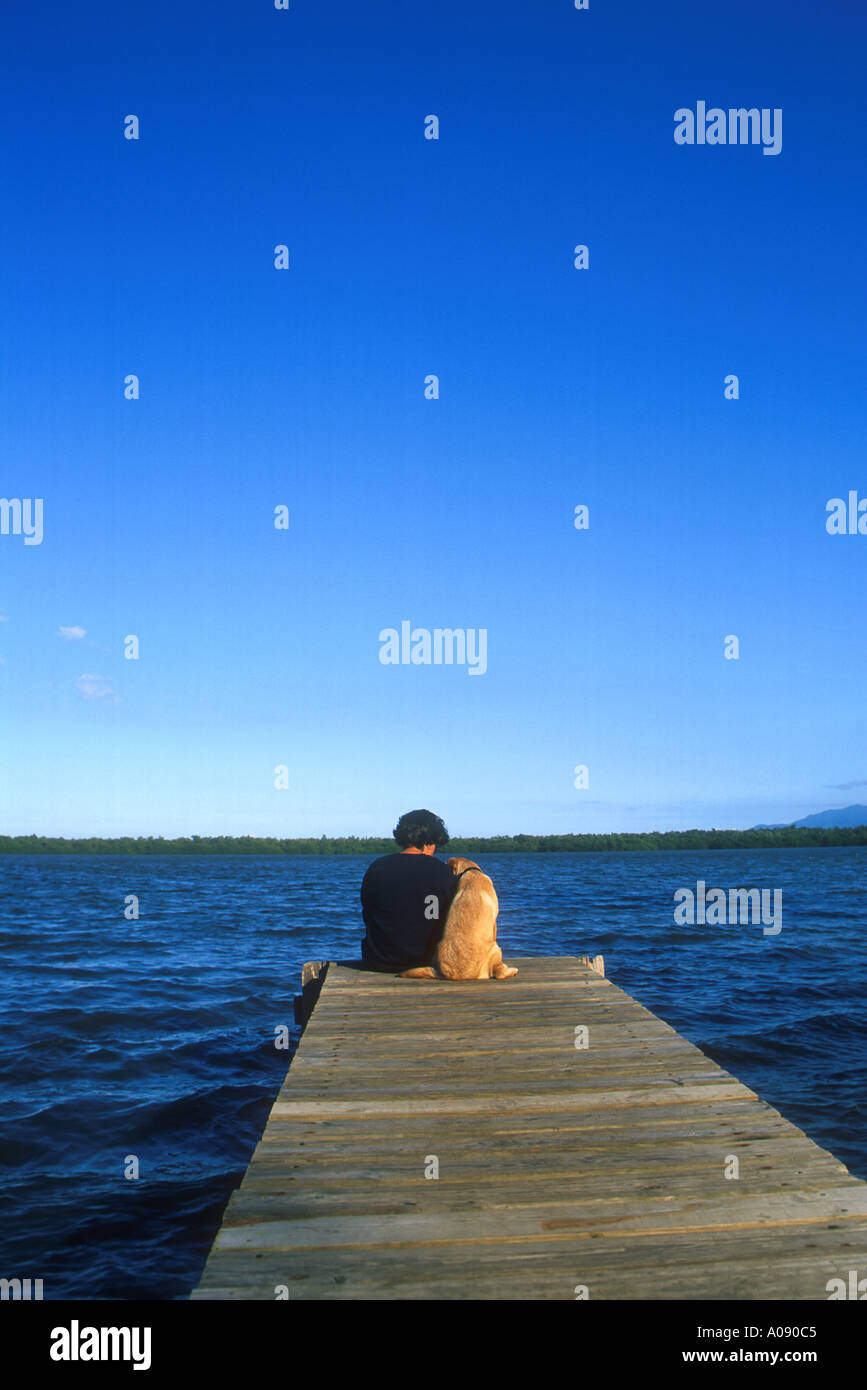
point(260, 647)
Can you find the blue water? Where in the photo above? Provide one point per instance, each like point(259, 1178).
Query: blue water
point(155, 1037)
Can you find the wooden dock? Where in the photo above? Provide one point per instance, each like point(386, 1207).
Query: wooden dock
point(563, 1171)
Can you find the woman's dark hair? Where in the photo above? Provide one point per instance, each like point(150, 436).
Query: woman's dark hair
point(420, 828)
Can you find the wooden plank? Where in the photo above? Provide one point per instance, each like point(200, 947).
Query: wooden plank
point(605, 1165)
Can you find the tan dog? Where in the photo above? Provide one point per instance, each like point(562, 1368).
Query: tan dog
point(468, 949)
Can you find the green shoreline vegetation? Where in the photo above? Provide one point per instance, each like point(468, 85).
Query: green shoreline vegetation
point(790, 837)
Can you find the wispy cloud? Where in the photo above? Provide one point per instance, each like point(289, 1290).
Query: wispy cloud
point(93, 687)
point(848, 786)
point(72, 634)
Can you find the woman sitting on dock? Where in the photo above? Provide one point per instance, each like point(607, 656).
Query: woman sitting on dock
point(405, 897)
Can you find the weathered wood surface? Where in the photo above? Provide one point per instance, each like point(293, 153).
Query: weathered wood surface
point(559, 1167)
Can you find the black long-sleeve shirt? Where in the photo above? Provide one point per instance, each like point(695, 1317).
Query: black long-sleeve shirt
point(404, 901)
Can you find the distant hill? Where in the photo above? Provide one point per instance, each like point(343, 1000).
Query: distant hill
point(845, 816)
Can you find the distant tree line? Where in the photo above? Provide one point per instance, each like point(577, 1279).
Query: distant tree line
point(789, 837)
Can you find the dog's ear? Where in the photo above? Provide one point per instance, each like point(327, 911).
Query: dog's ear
point(460, 865)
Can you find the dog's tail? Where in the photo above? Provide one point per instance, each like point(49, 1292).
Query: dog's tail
point(421, 972)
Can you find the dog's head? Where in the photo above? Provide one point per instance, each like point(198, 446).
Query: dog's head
point(458, 866)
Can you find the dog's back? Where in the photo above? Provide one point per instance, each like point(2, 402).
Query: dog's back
point(471, 924)
point(468, 949)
